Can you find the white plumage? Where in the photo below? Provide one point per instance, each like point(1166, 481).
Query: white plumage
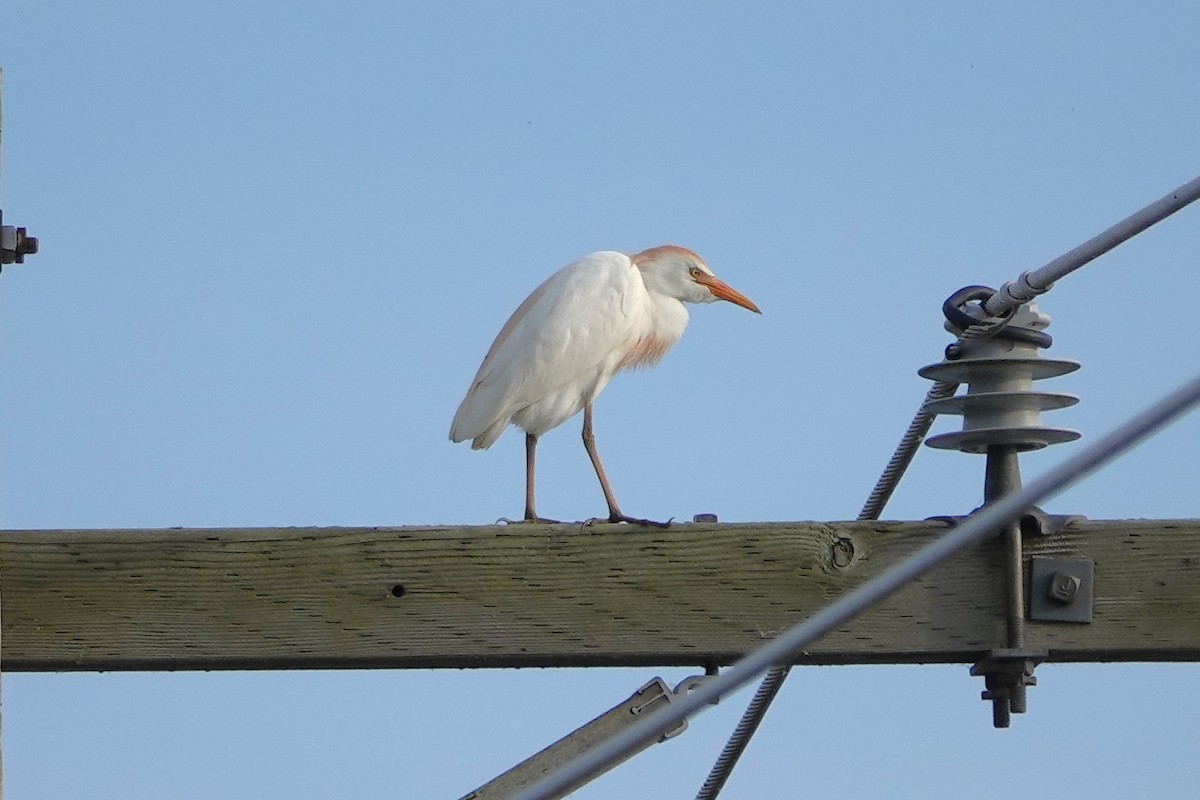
point(605, 312)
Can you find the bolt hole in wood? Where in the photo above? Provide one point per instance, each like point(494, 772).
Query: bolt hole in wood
point(398, 590)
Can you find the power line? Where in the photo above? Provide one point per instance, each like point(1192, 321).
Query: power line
point(1040, 280)
point(785, 647)
point(766, 692)
point(1009, 297)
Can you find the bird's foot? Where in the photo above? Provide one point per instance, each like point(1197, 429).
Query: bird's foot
point(528, 521)
point(618, 517)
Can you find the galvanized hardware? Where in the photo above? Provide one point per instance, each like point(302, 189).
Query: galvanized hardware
point(1002, 418)
point(1034, 522)
point(15, 244)
point(1006, 673)
point(652, 696)
point(1061, 589)
point(691, 683)
point(648, 698)
point(1007, 677)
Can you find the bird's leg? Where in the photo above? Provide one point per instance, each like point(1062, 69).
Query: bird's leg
point(589, 444)
point(530, 451)
point(530, 448)
point(614, 511)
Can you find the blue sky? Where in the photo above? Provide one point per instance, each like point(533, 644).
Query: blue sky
point(279, 237)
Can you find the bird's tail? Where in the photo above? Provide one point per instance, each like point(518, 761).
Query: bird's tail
point(466, 426)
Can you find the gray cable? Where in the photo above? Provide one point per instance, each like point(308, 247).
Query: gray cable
point(1029, 285)
point(784, 648)
point(903, 455)
point(905, 451)
point(1037, 281)
point(740, 738)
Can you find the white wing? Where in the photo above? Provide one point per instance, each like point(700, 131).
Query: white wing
point(557, 350)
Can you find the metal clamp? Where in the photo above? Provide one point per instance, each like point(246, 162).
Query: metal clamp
point(653, 695)
point(1034, 522)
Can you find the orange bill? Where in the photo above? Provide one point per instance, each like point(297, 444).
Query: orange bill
point(724, 291)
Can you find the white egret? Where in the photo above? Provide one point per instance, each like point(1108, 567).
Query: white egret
point(606, 312)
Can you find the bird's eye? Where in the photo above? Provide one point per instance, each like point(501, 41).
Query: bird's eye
point(694, 272)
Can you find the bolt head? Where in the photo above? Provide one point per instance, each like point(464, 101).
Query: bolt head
point(1064, 587)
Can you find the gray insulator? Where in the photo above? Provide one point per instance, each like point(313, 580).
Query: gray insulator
point(1000, 406)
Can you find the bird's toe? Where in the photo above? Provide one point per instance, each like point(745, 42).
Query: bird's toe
point(638, 521)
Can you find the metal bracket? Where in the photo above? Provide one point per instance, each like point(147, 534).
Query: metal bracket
point(1061, 589)
point(1034, 522)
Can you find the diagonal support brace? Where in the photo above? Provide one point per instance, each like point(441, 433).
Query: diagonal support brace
point(655, 694)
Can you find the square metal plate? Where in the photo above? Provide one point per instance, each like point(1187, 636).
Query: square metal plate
point(1060, 589)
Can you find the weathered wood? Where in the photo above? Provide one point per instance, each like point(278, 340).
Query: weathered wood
point(558, 595)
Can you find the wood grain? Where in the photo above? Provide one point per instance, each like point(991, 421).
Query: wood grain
point(506, 596)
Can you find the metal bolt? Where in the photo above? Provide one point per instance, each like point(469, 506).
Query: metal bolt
point(704, 518)
point(26, 245)
point(1064, 587)
point(16, 245)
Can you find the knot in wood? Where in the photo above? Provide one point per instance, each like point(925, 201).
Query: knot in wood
point(842, 552)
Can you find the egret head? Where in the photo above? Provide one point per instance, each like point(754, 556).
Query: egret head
point(678, 272)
